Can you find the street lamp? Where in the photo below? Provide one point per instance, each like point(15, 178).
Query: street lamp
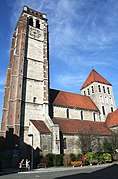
point(31, 135)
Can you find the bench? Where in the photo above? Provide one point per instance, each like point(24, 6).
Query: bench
point(41, 165)
point(76, 163)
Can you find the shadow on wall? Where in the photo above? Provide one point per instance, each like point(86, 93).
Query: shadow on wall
point(13, 150)
point(106, 173)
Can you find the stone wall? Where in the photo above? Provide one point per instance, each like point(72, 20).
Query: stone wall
point(75, 113)
point(71, 144)
point(46, 143)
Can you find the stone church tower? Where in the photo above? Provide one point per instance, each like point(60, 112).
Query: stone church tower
point(101, 93)
point(27, 79)
point(26, 96)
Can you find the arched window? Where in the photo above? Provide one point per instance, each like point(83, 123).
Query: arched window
point(31, 21)
point(111, 109)
point(103, 110)
point(104, 89)
point(92, 89)
point(37, 24)
point(88, 91)
point(67, 113)
point(34, 99)
point(94, 117)
point(99, 89)
point(81, 113)
point(85, 93)
point(108, 90)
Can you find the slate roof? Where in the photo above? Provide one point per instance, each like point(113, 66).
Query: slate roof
point(112, 119)
point(94, 77)
point(72, 126)
point(40, 126)
point(62, 98)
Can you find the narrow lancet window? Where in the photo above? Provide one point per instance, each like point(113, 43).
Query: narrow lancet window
point(94, 116)
point(111, 109)
point(104, 89)
point(88, 91)
point(37, 24)
point(108, 90)
point(34, 100)
point(81, 113)
point(99, 89)
point(92, 89)
point(103, 110)
point(67, 113)
point(31, 21)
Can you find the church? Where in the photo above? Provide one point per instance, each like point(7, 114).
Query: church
point(49, 119)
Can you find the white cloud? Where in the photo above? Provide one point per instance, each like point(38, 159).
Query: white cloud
point(76, 23)
point(67, 80)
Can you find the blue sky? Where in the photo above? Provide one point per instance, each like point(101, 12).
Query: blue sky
point(82, 34)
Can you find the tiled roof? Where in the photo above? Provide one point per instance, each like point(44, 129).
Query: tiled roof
point(71, 126)
point(40, 126)
point(94, 77)
point(68, 99)
point(112, 119)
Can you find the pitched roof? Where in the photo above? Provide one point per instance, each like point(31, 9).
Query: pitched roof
point(94, 77)
point(62, 98)
point(112, 119)
point(72, 126)
point(40, 126)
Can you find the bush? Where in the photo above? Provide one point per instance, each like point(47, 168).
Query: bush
point(54, 160)
point(104, 158)
point(91, 156)
point(50, 157)
point(107, 157)
point(100, 158)
point(58, 160)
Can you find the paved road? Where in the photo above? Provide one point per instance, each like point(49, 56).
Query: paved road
point(88, 172)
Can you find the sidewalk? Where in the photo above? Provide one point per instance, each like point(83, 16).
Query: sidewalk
point(53, 169)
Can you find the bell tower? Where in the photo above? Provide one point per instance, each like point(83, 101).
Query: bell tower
point(27, 79)
point(100, 91)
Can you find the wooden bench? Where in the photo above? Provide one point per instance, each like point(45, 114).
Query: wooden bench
point(76, 163)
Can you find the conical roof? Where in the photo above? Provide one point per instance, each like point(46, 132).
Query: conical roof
point(94, 77)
